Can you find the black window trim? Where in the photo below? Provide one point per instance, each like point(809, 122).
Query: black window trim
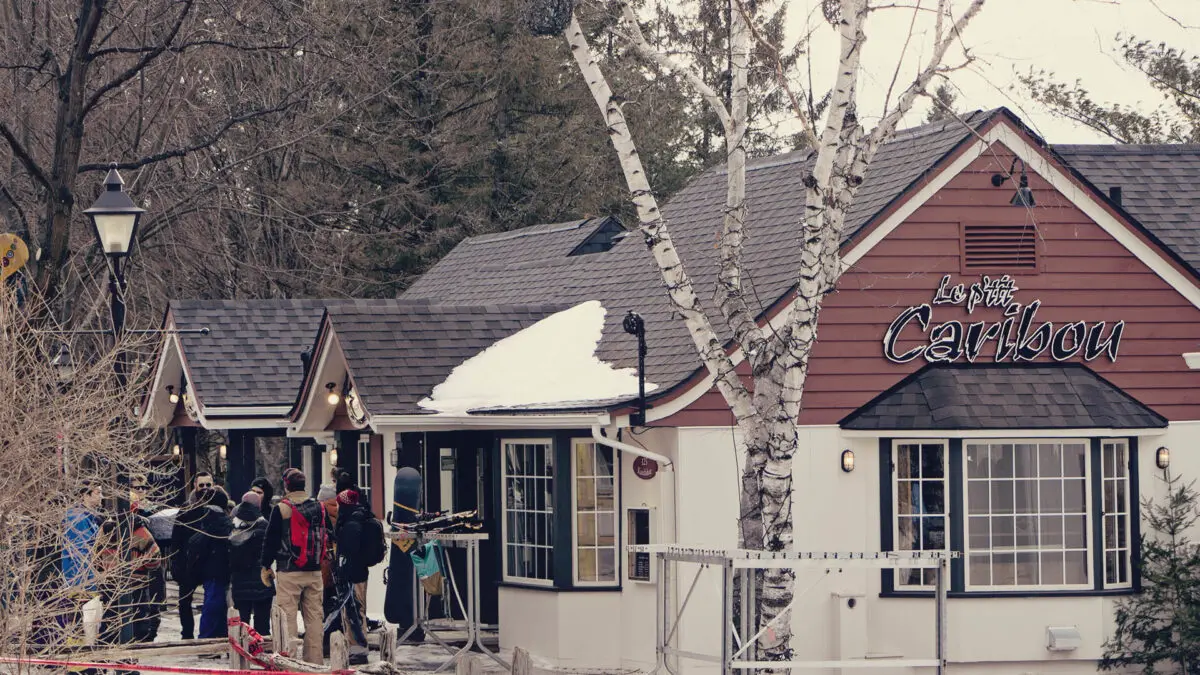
point(957, 527)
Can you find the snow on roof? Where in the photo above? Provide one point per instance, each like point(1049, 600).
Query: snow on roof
point(552, 361)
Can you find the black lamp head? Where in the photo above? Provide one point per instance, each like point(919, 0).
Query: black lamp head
point(1024, 194)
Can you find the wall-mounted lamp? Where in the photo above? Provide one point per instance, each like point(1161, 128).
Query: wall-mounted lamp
point(1162, 457)
point(847, 460)
point(333, 456)
point(332, 397)
point(176, 450)
point(171, 395)
point(395, 457)
point(1024, 195)
point(223, 451)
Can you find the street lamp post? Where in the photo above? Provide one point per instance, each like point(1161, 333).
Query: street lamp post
point(115, 219)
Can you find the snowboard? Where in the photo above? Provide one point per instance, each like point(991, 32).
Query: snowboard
point(398, 604)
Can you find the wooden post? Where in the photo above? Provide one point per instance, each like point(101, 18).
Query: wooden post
point(339, 652)
point(279, 635)
point(387, 646)
point(466, 665)
point(522, 663)
point(239, 637)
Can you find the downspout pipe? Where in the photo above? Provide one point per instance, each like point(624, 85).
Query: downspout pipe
point(599, 437)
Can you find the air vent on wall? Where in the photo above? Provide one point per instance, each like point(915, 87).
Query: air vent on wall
point(999, 247)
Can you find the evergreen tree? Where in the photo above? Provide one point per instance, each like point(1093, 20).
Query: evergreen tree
point(1158, 630)
point(943, 104)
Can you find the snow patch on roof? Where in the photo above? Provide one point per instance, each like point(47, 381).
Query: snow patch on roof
point(553, 360)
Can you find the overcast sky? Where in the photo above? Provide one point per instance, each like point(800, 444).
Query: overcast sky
point(1074, 38)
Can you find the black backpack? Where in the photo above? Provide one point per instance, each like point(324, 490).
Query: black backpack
point(374, 546)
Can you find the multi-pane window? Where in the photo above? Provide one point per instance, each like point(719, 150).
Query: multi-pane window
point(528, 525)
point(920, 505)
point(1115, 482)
point(595, 513)
point(1027, 514)
point(364, 467)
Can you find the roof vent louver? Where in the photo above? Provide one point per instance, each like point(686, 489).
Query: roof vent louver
point(999, 247)
point(602, 239)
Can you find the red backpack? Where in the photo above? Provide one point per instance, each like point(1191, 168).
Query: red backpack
point(309, 537)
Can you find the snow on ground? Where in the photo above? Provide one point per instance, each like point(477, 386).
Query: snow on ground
point(552, 361)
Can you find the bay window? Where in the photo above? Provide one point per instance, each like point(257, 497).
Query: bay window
point(528, 524)
point(595, 496)
point(1028, 514)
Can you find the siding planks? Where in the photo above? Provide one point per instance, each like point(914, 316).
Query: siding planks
point(1083, 275)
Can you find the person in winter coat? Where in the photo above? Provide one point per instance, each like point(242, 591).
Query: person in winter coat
point(351, 570)
point(250, 597)
point(186, 524)
point(81, 526)
point(208, 561)
point(296, 542)
point(181, 532)
point(151, 589)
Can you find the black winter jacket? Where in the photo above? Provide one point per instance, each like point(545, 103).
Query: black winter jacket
point(208, 547)
point(245, 550)
point(186, 524)
point(350, 564)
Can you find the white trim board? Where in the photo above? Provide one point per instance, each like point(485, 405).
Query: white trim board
point(1004, 433)
point(1003, 133)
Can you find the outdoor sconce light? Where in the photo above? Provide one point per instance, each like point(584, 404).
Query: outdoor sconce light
point(332, 397)
point(171, 395)
point(1162, 457)
point(847, 460)
point(333, 456)
point(1024, 195)
point(395, 457)
point(224, 451)
point(176, 450)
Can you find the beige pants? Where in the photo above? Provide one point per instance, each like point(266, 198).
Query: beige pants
point(303, 592)
point(360, 594)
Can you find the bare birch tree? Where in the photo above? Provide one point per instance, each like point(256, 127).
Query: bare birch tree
point(70, 446)
point(767, 412)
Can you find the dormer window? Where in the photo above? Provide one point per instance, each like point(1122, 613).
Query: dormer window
point(603, 238)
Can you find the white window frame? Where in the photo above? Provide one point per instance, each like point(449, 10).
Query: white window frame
point(615, 513)
point(1088, 526)
point(504, 543)
point(896, 515)
point(1129, 543)
point(364, 466)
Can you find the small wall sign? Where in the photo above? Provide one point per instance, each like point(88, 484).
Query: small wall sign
point(645, 468)
point(1014, 336)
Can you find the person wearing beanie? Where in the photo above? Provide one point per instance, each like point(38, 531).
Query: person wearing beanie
point(351, 571)
point(208, 560)
point(296, 542)
point(250, 597)
point(263, 488)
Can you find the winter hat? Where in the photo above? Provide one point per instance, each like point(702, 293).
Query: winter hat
point(348, 497)
point(293, 479)
point(326, 492)
point(252, 498)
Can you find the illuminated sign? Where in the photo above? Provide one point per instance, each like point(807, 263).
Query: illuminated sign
point(1017, 337)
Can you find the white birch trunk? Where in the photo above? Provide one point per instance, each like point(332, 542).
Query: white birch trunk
point(654, 230)
point(768, 418)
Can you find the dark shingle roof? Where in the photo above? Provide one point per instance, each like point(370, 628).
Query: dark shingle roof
point(947, 397)
point(1160, 187)
point(532, 266)
point(399, 350)
point(252, 355)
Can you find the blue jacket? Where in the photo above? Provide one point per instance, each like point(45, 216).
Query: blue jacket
point(78, 564)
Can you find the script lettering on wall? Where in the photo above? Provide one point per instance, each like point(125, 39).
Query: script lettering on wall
point(1015, 337)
